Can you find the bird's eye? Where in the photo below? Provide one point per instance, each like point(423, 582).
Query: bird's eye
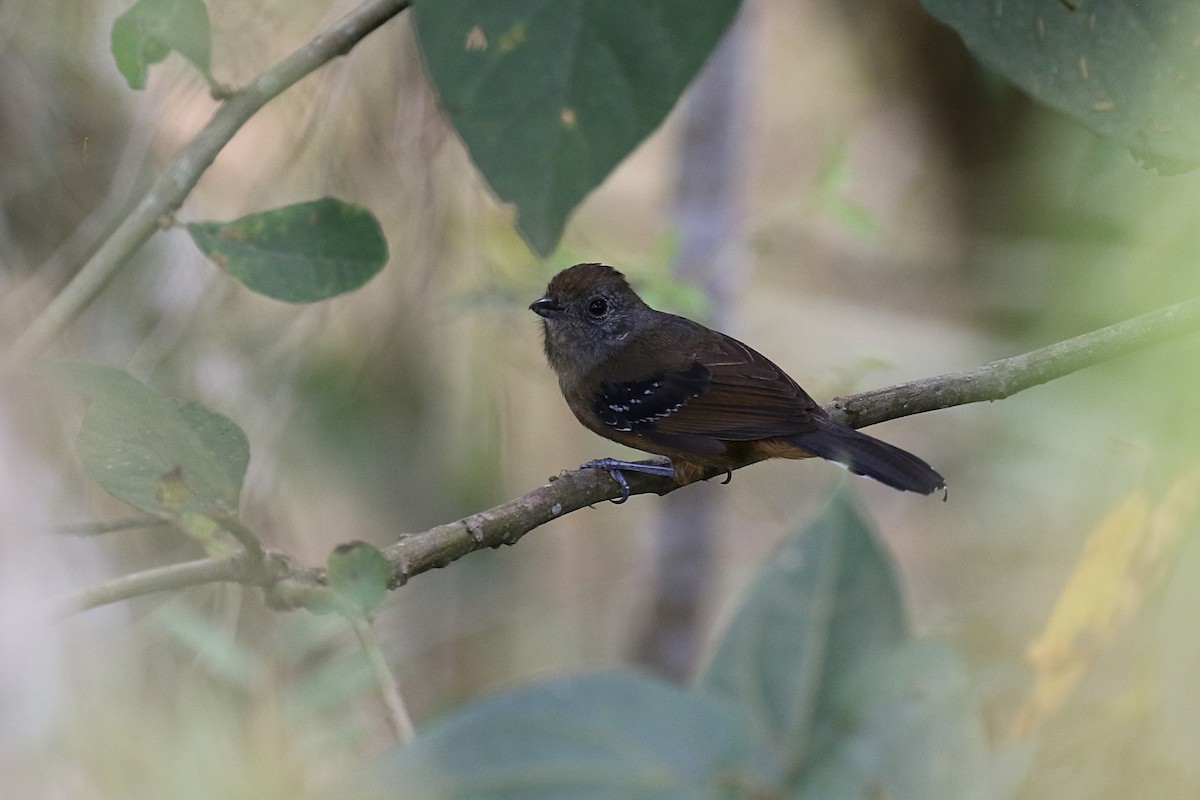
point(597, 307)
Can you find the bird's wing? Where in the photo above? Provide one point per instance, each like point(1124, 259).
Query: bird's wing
point(722, 391)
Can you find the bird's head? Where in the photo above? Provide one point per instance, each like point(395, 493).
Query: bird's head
point(588, 313)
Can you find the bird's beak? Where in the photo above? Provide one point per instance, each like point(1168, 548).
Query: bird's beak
point(547, 307)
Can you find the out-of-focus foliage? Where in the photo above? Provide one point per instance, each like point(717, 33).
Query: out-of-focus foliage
point(167, 457)
point(145, 34)
point(816, 690)
point(1127, 70)
point(826, 603)
point(599, 737)
point(1123, 563)
point(910, 725)
point(908, 214)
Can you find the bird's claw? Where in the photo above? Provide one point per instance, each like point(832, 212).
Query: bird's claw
point(616, 468)
point(619, 477)
point(611, 466)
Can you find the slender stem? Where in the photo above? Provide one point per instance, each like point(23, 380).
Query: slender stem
point(129, 523)
point(1004, 378)
point(389, 688)
point(178, 180)
point(256, 555)
point(159, 579)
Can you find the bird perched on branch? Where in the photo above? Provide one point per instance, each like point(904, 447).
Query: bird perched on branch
point(663, 384)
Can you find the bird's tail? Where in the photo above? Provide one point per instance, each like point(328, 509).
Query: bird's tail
point(866, 455)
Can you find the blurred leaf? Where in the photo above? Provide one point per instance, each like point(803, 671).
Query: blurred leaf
point(146, 33)
point(1124, 560)
point(358, 573)
point(912, 730)
point(549, 97)
point(1086, 612)
point(299, 253)
point(1125, 69)
point(164, 456)
point(826, 604)
point(1180, 654)
point(588, 737)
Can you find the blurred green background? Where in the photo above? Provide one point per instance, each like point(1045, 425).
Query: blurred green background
point(905, 213)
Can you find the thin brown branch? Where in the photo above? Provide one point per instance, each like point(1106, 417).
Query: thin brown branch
point(291, 587)
point(1004, 378)
point(178, 180)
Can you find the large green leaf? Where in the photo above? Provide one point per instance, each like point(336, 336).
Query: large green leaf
point(911, 729)
point(549, 95)
point(299, 253)
point(826, 604)
point(164, 456)
point(587, 737)
point(1128, 70)
point(151, 29)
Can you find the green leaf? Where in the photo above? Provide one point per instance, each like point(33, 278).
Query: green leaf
point(589, 737)
point(550, 96)
point(146, 33)
point(358, 573)
point(300, 253)
point(827, 603)
point(1125, 69)
point(911, 728)
point(164, 456)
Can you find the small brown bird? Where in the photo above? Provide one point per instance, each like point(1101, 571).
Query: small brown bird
point(663, 384)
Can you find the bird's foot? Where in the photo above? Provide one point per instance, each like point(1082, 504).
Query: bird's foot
point(616, 468)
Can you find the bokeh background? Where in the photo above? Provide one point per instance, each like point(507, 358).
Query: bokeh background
point(900, 213)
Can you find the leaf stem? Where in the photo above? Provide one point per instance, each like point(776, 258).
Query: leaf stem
point(389, 688)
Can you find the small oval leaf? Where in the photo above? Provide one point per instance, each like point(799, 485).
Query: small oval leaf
point(299, 253)
point(358, 574)
point(161, 455)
